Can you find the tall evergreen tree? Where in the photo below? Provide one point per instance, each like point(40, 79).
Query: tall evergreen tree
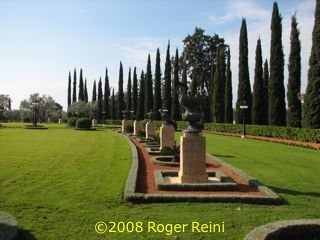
point(85, 91)
point(148, 104)
point(121, 103)
point(175, 106)
point(277, 104)
point(94, 92)
point(257, 110)
point(311, 107)
point(113, 111)
point(100, 101)
point(184, 78)
point(219, 87)
point(157, 87)
point(140, 108)
point(294, 81)
point(228, 112)
point(69, 89)
point(135, 91)
point(167, 100)
point(74, 92)
point(106, 105)
point(244, 87)
point(81, 87)
point(264, 105)
point(129, 92)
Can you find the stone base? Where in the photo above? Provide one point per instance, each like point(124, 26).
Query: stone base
point(167, 136)
point(136, 127)
point(150, 130)
point(193, 158)
point(94, 123)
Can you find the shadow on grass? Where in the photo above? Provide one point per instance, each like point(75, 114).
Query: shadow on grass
point(25, 235)
point(10, 232)
point(294, 192)
point(223, 156)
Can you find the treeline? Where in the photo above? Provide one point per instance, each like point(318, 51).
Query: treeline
point(204, 66)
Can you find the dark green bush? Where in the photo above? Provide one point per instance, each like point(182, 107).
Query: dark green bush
point(72, 121)
point(84, 123)
point(128, 129)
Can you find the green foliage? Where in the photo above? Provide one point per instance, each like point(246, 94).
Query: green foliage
point(72, 121)
point(94, 91)
point(81, 87)
point(298, 134)
point(69, 89)
point(140, 108)
point(228, 111)
point(129, 92)
point(121, 103)
point(106, 96)
point(258, 88)
point(74, 91)
point(277, 104)
point(100, 101)
point(157, 88)
point(135, 91)
point(294, 81)
point(167, 98)
point(148, 99)
point(83, 123)
point(175, 106)
point(128, 128)
point(311, 106)
point(244, 87)
point(264, 105)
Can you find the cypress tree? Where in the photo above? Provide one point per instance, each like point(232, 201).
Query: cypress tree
point(81, 89)
point(148, 104)
point(264, 105)
point(74, 92)
point(113, 106)
point(140, 107)
point(219, 87)
point(100, 101)
point(85, 91)
point(244, 87)
point(69, 89)
point(228, 113)
point(311, 107)
point(294, 81)
point(135, 91)
point(106, 105)
point(175, 107)
point(277, 104)
point(258, 91)
point(129, 92)
point(184, 79)
point(167, 82)
point(94, 92)
point(157, 87)
point(121, 103)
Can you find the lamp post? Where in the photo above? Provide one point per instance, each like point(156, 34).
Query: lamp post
point(243, 107)
point(34, 105)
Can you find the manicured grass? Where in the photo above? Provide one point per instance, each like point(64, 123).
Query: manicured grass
point(59, 182)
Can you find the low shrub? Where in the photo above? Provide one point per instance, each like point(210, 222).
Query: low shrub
point(72, 121)
point(84, 123)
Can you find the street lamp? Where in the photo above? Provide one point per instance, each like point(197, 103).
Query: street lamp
point(243, 107)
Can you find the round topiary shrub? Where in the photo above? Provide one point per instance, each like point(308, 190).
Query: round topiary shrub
point(83, 123)
point(72, 122)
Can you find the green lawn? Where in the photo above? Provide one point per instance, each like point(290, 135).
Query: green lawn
point(58, 183)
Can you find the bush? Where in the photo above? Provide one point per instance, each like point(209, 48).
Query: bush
point(84, 123)
point(72, 121)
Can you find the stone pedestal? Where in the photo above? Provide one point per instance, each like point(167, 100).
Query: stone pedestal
point(136, 127)
point(150, 130)
point(60, 121)
point(193, 158)
point(94, 122)
point(166, 136)
point(124, 124)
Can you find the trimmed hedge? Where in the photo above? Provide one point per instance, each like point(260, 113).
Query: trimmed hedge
point(84, 123)
point(72, 122)
point(297, 134)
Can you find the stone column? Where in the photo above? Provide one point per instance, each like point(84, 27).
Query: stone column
point(193, 158)
point(94, 122)
point(150, 130)
point(166, 136)
point(136, 127)
point(124, 124)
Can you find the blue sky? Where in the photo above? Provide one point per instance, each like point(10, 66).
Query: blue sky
point(42, 40)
